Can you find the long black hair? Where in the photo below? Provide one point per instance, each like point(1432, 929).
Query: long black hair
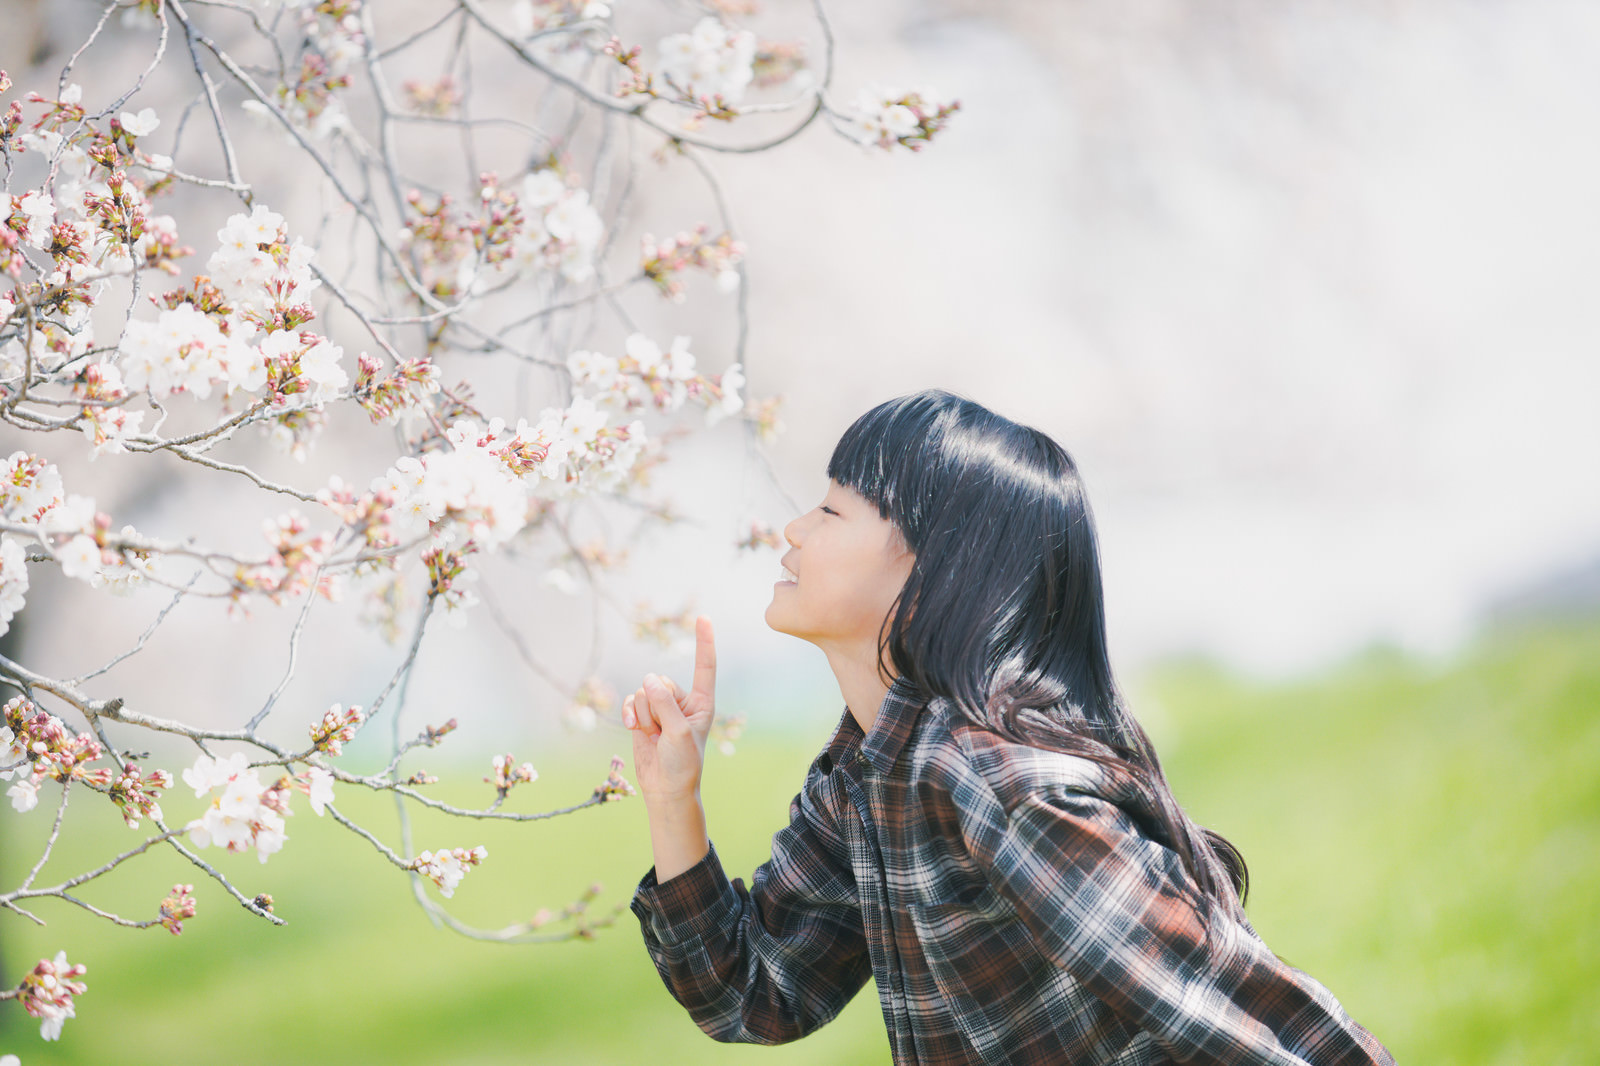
point(1003, 613)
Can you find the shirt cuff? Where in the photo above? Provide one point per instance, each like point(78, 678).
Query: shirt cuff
point(697, 903)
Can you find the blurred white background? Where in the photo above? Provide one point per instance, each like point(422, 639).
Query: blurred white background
point(1306, 289)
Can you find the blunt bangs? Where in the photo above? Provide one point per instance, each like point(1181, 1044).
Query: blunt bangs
point(885, 456)
point(934, 458)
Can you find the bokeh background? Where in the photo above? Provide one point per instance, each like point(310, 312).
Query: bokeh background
point(1308, 291)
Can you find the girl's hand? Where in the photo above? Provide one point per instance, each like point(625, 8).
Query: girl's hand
point(670, 726)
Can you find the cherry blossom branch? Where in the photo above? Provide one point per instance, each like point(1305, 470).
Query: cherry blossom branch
point(94, 35)
point(50, 842)
point(427, 30)
point(527, 932)
point(25, 892)
point(516, 271)
point(294, 656)
point(359, 204)
point(144, 638)
point(230, 158)
point(161, 51)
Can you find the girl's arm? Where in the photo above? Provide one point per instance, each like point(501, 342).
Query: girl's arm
point(760, 966)
point(768, 964)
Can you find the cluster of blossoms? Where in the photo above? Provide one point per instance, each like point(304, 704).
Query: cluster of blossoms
point(238, 329)
point(477, 487)
point(543, 224)
point(385, 399)
point(728, 730)
point(593, 698)
point(447, 868)
point(35, 744)
point(664, 380)
point(890, 116)
point(712, 63)
point(29, 217)
point(664, 262)
point(292, 567)
point(709, 68)
point(47, 992)
point(248, 813)
point(176, 907)
point(447, 570)
point(471, 489)
point(136, 793)
point(533, 16)
point(668, 630)
point(93, 222)
point(761, 535)
point(562, 229)
point(507, 774)
point(615, 786)
point(337, 728)
point(573, 912)
point(106, 423)
point(333, 45)
point(777, 62)
point(67, 526)
point(439, 97)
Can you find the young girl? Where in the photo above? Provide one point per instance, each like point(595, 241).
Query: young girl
point(988, 834)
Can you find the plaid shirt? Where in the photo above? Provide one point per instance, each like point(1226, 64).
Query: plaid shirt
point(1005, 900)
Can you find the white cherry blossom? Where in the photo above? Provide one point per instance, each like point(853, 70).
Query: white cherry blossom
point(28, 487)
point(141, 124)
point(208, 773)
point(542, 188)
point(39, 211)
point(320, 364)
point(13, 583)
point(239, 818)
point(711, 60)
point(24, 795)
point(321, 791)
point(80, 558)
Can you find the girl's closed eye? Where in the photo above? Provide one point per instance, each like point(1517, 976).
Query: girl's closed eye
point(828, 510)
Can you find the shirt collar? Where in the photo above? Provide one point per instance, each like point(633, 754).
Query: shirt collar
point(897, 717)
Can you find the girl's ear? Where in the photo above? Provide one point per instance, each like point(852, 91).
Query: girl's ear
point(897, 542)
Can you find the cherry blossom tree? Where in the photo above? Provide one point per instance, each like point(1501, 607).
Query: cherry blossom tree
point(124, 341)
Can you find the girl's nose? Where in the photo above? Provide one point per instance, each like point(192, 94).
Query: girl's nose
point(791, 531)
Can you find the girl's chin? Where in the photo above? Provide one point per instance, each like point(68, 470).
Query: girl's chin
point(774, 619)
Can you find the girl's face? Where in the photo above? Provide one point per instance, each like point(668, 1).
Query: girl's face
point(848, 565)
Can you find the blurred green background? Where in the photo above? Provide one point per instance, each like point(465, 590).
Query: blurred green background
point(1422, 838)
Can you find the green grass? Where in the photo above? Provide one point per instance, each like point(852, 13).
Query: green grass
point(1424, 840)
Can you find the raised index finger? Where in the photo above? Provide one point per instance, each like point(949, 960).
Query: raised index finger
point(705, 658)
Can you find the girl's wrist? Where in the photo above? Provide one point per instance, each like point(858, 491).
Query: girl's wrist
point(669, 803)
point(678, 835)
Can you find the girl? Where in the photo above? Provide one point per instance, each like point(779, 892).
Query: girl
point(988, 834)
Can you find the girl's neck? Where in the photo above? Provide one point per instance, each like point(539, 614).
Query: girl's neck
point(862, 687)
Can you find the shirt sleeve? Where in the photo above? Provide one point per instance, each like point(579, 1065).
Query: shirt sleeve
point(1110, 906)
point(770, 964)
